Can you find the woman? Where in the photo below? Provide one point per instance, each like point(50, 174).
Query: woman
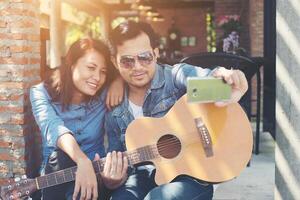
point(69, 108)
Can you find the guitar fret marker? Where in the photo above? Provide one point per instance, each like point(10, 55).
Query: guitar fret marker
point(55, 178)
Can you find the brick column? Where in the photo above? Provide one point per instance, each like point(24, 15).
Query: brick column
point(19, 69)
point(256, 33)
point(256, 27)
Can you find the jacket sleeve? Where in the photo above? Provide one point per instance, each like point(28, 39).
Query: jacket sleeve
point(113, 134)
point(181, 71)
point(50, 124)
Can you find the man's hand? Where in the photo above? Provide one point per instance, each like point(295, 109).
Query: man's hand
point(236, 79)
point(115, 170)
point(115, 93)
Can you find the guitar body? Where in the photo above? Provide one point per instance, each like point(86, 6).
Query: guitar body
point(181, 147)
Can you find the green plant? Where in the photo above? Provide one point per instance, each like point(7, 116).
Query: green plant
point(89, 28)
point(229, 23)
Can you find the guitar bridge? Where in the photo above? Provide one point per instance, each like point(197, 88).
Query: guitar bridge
point(205, 137)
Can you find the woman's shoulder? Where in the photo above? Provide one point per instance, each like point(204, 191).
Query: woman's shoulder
point(38, 90)
point(98, 100)
point(38, 86)
point(101, 96)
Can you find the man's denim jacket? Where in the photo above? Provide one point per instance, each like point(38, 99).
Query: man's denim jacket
point(168, 85)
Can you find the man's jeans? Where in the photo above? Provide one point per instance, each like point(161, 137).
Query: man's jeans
point(140, 185)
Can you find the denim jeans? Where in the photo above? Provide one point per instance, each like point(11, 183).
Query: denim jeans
point(141, 186)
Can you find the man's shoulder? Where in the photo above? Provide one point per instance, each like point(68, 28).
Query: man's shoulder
point(165, 70)
point(116, 111)
point(165, 67)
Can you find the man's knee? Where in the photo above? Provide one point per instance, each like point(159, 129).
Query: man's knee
point(118, 195)
point(180, 191)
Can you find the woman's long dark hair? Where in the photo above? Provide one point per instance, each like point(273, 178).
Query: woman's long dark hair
point(60, 85)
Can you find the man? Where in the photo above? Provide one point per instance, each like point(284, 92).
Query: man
point(152, 89)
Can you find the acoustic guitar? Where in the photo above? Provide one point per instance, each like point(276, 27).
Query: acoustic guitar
point(210, 143)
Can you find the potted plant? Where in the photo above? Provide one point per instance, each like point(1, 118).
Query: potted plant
point(231, 26)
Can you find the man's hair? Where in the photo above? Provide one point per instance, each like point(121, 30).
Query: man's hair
point(129, 30)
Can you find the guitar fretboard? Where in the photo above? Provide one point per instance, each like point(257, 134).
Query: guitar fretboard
point(139, 155)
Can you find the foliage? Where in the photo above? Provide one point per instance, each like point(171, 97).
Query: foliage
point(229, 23)
point(211, 33)
point(91, 27)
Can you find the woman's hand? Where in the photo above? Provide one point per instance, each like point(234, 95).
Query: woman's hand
point(85, 181)
point(115, 93)
point(236, 79)
point(115, 170)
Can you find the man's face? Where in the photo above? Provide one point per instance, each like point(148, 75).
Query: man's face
point(136, 61)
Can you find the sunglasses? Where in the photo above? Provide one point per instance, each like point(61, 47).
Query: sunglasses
point(145, 59)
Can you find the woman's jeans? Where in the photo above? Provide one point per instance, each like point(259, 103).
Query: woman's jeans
point(60, 160)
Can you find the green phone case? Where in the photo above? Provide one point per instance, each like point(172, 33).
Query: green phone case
point(208, 89)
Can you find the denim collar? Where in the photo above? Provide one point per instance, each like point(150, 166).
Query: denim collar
point(157, 82)
point(96, 100)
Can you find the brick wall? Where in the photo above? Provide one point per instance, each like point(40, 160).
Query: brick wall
point(190, 22)
point(19, 69)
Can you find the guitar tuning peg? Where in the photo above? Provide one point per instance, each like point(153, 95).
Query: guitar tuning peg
point(24, 177)
point(17, 179)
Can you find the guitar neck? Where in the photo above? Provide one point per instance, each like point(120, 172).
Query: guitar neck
point(139, 155)
point(65, 175)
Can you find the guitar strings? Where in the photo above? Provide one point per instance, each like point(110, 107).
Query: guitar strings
point(168, 144)
point(167, 147)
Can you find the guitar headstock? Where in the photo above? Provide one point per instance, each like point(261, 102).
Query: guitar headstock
point(17, 189)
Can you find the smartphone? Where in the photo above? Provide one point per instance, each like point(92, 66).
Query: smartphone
point(207, 89)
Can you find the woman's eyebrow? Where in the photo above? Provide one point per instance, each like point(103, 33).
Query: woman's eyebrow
point(95, 65)
point(92, 63)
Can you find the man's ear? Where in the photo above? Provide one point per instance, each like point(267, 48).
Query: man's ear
point(156, 51)
point(114, 61)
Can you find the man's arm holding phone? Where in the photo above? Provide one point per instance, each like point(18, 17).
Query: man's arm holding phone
point(235, 78)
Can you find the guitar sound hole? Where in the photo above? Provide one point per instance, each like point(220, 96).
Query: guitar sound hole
point(169, 146)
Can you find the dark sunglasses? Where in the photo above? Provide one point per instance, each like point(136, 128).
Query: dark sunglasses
point(144, 59)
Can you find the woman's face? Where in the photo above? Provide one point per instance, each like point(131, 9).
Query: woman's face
point(88, 75)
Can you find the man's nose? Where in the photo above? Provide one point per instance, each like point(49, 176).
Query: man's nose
point(137, 64)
